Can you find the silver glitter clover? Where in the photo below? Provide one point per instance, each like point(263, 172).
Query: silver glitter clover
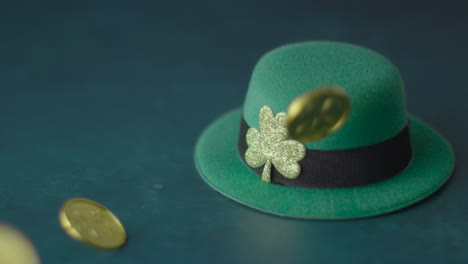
point(271, 145)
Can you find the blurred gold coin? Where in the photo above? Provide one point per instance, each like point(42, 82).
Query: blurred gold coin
point(92, 223)
point(317, 114)
point(15, 248)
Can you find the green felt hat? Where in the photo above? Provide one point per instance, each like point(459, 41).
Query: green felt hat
point(325, 182)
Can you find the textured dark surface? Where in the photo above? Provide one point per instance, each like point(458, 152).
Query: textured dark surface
point(106, 101)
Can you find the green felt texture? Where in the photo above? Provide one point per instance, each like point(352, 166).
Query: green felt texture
point(373, 84)
point(221, 167)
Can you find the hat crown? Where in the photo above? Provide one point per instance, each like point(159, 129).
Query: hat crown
point(373, 84)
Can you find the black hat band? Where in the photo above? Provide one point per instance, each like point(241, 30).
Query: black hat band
point(343, 168)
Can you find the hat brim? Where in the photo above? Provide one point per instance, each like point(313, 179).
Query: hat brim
point(220, 165)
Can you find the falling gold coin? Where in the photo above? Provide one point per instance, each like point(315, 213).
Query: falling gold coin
point(15, 248)
point(317, 114)
point(92, 223)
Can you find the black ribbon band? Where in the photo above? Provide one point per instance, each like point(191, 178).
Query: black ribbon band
point(344, 168)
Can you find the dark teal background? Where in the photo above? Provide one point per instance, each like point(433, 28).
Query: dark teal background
point(106, 101)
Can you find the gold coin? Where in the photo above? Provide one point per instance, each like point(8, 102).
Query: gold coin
point(15, 248)
point(92, 223)
point(317, 114)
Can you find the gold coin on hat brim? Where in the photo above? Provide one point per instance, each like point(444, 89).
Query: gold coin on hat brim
point(15, 248)
point(318, 113)
point(92, 223)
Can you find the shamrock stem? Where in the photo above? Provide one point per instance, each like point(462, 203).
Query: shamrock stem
point(266, 172)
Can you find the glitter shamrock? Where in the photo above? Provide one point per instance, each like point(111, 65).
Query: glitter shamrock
point(271, 145)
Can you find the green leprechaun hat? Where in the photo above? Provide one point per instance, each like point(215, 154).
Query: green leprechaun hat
point(379, 161)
